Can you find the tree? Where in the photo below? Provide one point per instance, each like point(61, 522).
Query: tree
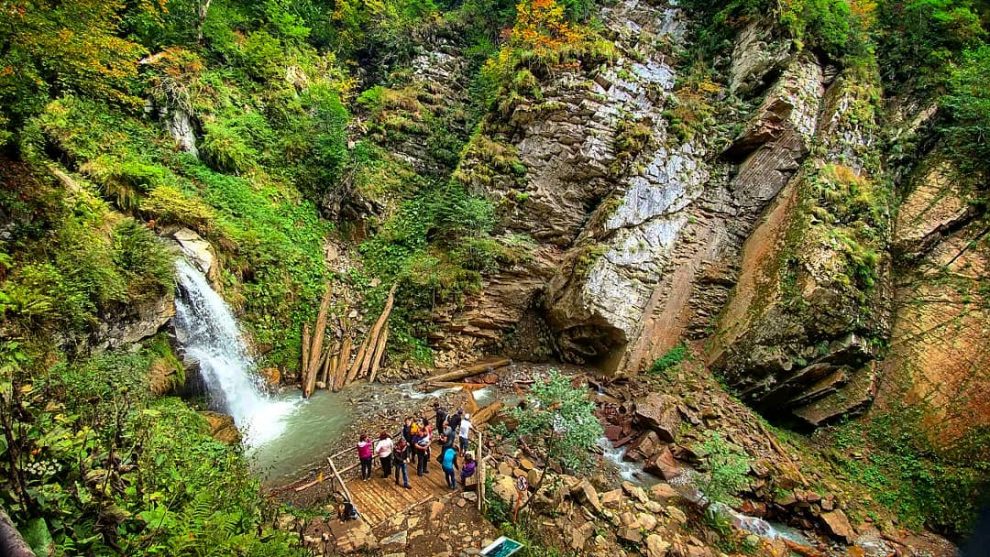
point(727, 469)
point(968, 106)
point(557, 421)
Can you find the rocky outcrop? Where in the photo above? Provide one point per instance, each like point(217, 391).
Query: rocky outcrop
point(198, 251)
point(812, 306)
point(134, 324)
point(938, 360)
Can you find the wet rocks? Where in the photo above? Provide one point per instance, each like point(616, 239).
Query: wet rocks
point(222, 428)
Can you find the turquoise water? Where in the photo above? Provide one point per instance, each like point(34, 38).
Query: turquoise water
point(309, 433)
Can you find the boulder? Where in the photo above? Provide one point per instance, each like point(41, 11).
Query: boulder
point(838, 525)
point(612, 499)
point(222, 428)
point(664, 491)
point(644, 447)
point(586, 493)
point(663, 465)
point(635, 492)
point(659, 412)
point(656, 546)
point(197, 250)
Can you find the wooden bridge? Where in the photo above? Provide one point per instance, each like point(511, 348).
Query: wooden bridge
point(379, 499)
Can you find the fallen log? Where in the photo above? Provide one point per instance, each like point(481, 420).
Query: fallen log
point(319, 479)
point(379, 356)
point(356, 366)
point(472, 403)
point(454, 385)
point(11, 541)
point(376, 333)
point(486, 413)
point(316, 350)
point(345, 358)
point(473, 369)
point(305, 355)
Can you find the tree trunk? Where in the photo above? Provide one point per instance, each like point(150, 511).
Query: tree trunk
point(345, 358)
point(305, 356)
point(317, 347)
point(202, 10)
point(376, 360)
point(12, 544)
point(473, 369)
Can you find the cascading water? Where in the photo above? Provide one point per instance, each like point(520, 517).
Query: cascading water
point(208, 333)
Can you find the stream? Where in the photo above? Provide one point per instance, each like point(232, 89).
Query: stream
point(285, 435)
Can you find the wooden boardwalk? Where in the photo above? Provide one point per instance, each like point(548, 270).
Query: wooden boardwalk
point(379, 499)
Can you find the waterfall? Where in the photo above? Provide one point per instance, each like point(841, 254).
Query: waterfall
point(208, 332)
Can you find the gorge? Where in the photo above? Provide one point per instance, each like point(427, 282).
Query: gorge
point(752, 233)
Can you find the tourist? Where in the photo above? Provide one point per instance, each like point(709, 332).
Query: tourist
point(384, 451)
point(441, 415)
point(407, 430)
point(421, 447)
point(455, 419)
point(399, 459)
point(465, 428)
point(364, 450)
point(449, 435)
point(468, 470)
point(448, 461)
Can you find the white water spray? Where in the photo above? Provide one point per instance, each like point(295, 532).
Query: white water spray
point(209, 334)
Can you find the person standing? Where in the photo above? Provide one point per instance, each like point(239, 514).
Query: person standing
point(365, 451)
point(465, 431)
point(441, 416)
point(455, 420)
point(407, 433)
point(449, 435)
point(399, 459)
point(448, 462)
point(384, 449)
point(469, 467)
point(421, 447)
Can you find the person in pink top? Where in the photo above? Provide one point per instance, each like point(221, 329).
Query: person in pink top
point(365, 452)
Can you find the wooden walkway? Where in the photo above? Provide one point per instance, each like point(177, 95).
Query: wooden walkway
point(379, 499)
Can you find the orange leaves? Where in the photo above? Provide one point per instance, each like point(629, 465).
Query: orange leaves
point(542, 26)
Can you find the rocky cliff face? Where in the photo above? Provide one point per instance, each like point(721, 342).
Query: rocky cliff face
point(938, 360)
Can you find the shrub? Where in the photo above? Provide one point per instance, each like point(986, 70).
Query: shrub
point(727, 469)
point(672, 358)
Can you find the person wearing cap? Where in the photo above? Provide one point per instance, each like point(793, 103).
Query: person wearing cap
point(465, 430)
point(468, 469)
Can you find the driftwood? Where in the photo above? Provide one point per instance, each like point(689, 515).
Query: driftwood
point(316, 350)
point(473, 369)
point(362, 363)
point(305, 354)
point(452, 385)
point(376, 360)
point(376, 332)
point(486, 413)
point(327, 361)
point(345, 358)
point(11, 541)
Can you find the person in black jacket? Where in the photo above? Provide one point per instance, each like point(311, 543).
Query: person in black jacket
point(400, 459)
point(441, 416)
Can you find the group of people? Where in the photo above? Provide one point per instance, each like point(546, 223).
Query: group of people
point(416, 443)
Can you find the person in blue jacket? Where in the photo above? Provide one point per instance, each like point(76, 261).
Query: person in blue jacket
point(448, 461)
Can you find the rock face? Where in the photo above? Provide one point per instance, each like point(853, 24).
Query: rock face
point(134, 324)
point(198, 250)
point(938, 361)
point(812, 303)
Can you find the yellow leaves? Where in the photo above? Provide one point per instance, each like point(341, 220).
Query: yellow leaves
point(542, 26)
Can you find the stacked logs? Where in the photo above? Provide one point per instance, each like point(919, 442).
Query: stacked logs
point(332, 367)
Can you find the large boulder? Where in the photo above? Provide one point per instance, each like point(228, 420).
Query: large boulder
point(658, 412)
point(199, 251)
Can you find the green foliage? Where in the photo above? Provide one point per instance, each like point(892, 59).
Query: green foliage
point(967, 103)
point(558, 421)
point(52, 48)
point(106, 469)
point(727, 467)
point(919, 40)
point(671, 359)
point(896, 462)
